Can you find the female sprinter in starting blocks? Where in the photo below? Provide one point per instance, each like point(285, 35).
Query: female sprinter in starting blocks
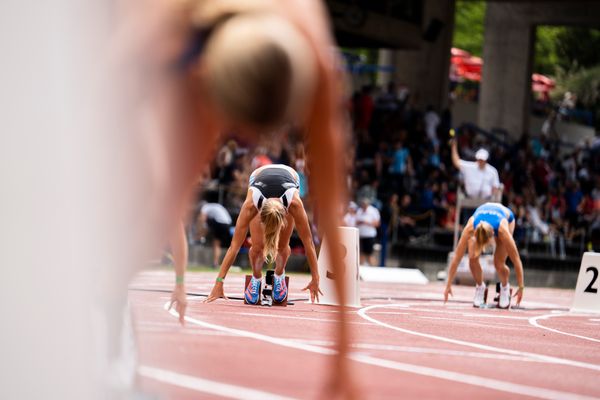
point(271, 210)
point(490, 221)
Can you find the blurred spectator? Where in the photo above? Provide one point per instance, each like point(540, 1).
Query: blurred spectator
point(406, 220)
point(364, 111)
point(432, 120)
point(216, 219)
point(367, 222)
point(299, 164)
point(389, 223)
point(401, 166)
point(260, 158)
point(350, 216)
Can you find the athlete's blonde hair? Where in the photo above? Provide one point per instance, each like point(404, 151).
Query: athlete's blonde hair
point(272, 216)
point(261, 70)
point(483, 234)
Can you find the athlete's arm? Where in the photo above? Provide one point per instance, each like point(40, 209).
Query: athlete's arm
point(179, 248)
point(459, 252)
point(454, 152)
point(303, 228)
point(509, 244)
point(247, 212)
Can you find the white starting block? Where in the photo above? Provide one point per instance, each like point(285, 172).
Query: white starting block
point(350, 260)
point(463, 272)
point(587, 291)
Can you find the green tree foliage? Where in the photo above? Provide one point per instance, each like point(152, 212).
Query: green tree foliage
point(468, 26)
point(578, 47)
point(585, 82)
point(565, 48)
point(546, 58)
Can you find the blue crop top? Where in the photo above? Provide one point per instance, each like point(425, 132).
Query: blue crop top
point(493, 214)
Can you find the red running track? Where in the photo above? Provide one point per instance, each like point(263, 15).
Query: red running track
point(405, 344)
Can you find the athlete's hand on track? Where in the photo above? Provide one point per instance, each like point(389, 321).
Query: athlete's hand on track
point(216, 293)
point(313, 288)
point(179, 300)
point(448, 291)
point(519, 295)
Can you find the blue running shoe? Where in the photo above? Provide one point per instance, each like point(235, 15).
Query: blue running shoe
point(252, 292)
point(280, 289)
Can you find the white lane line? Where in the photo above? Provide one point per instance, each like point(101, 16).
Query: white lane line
point(487, 383)
point(254, 335)
point(556, 360)
point(299, 318)
point(207, 386)
point(473, 380)
point(534, 321)
point(473, 323)
point(482, 315)
point(422, 350)
point(186, 332)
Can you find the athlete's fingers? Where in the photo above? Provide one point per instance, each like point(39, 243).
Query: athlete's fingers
point(181, 310)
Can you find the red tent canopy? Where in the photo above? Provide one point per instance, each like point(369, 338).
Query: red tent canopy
point(466, 66)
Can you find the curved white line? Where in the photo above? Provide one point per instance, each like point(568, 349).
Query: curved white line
point(363, 313)
point(207, 386)
point(534, 321)
point(474, 380)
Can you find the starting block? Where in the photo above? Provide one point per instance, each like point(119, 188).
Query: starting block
point(496, 301)
point(587, 291)
point(266, 290)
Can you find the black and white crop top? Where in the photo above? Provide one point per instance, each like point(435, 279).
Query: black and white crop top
point(274, 181)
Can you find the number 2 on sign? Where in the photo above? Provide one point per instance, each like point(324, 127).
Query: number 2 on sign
point(590, 288)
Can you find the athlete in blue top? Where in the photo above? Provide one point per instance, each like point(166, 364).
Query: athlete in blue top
point(490, 221)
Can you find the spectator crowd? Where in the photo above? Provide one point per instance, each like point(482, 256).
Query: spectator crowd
point(403, 178)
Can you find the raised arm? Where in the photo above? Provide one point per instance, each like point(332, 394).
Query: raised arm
point(454, 153)
point(239, 236)
point(513, 253)
point(302, 226)
point(459, 252)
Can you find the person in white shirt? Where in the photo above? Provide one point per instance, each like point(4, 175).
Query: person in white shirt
point(432, 120)
point(367, 222)
point(480, 179)
point(350, 216)
point(218, 221)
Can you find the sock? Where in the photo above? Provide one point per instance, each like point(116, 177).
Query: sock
point(504, 287)
point(280, 276)
point(256, 279)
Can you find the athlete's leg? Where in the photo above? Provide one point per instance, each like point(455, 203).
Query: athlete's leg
point(256, 249)
point(283, 249)
point(500, 258)
point(216, 253)
point(500, 263)
point(474, 265)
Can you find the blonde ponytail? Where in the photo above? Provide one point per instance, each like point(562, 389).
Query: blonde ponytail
point(272, 216)
point(482, 236)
